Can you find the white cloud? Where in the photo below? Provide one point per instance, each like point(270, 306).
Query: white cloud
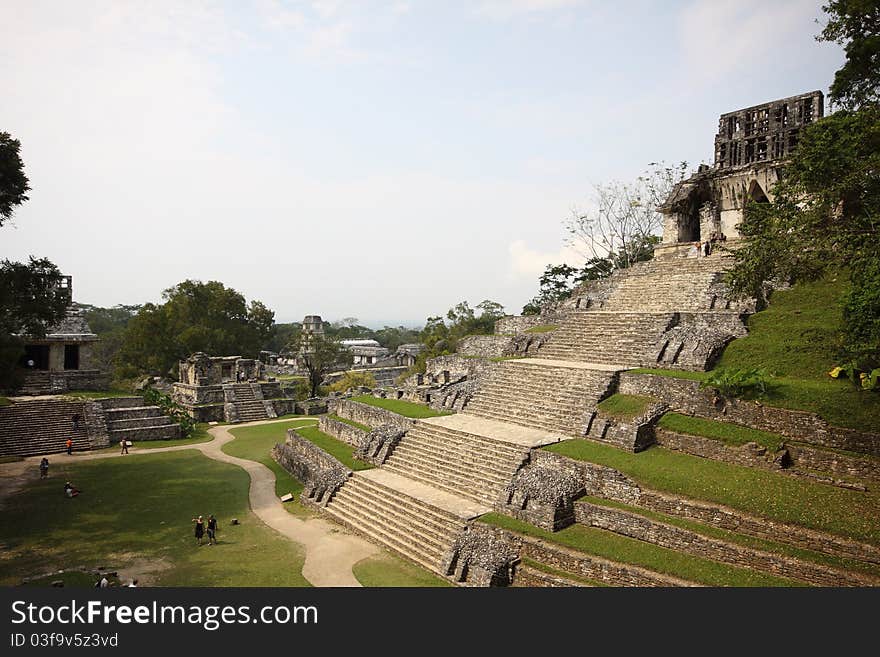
point(725, 36)
point(506, 9)
point(526, 262)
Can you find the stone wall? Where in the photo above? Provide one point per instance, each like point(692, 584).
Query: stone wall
point(319, 472)
point(342, 431)
point(602, 481)
point(543, 495)
point(372, 416)
point(484, 346)
point(481, 555)
point(697, 340)
point(750, 455)
point(457, 367)
point(687, 396)
point(675, 538)
point(810, 458)
point(581, 564)
point(193, 395)
point(513, 324)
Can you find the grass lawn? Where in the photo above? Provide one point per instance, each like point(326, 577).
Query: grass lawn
point(255, 444)
point(542, 328)
point(851, 513)
point(628, 550)
point(390, 571)
point(625, 407)
point(4, 401)
point(342, 451)
point(729, 434)
point(405, 408)
point(357, 425)
point(140, 508)
point(675, 374)
point(742, 539)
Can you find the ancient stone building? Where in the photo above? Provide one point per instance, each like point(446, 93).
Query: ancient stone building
point(62, 359)
point(228, 388)
point(751, 147)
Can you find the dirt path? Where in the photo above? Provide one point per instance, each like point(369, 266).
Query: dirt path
point(330, 551)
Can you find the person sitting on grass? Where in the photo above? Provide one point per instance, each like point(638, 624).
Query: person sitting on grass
point(70, 490)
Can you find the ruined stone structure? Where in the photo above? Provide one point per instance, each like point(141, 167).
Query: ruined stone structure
point(436, 476)
point(751, 147)
point(228, 388)
point(62, 359)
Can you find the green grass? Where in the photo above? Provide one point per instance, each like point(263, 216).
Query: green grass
point(742, 539)
point(729, 434)
point(352, 423)
point(401, 407)
point(73, 579)
point(389, 571)
point(256, 443)
point(11, 459)
point(542, 328)
point(537, 565)
point(615, 547)
point(342, 451)
point(501, 359)
point(625, 406)
point(140, 508)
point(4, 401)
point(100, 394)
point(851, 513)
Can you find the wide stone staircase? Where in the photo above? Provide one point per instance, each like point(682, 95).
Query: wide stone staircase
point(673, 285)
point(625, 339)
point(128, 418)
point(415, 520)
point(248, 402)
point(42, 426)
point(551, 395)
point(475, 467)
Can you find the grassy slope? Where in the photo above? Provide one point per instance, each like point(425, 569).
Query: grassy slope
point(142, 508)
point(729, 434)
point(255, 444)
point(352, 423)
point(405, 408)
point(627, 550)
point(625, 406)
point(796, 340)
point(742, 539)
point(837, 510)
point(388, 570)
point(342, 451)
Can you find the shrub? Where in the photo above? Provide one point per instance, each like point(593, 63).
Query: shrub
point(735, 382)
point(353, 379)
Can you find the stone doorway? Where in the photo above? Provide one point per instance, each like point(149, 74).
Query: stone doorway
point(71, 356)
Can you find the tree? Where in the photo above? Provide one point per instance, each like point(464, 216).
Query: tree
point(354, 379)
point(855, 24)
point(825, 214)
point(319, 355)
point(14, 184)
point(196, 316)
point(625, 215)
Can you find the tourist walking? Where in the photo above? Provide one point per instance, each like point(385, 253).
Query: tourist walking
point(212, 529)
point(69, 444)
point(200, 529)
point(124, 445)
point(44, 468)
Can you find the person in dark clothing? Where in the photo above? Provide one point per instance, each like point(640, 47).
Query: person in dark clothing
point(212, 529)
point(200, 529)
point(70, 490)
point(44, 468)
point(76, 418)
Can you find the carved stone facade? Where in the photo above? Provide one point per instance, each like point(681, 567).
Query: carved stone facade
point(751, 147)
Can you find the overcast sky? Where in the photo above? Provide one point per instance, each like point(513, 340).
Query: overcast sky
point(382, 160)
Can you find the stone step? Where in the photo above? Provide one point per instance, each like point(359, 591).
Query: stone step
point(450, 438)
point(417, 506)
point(135, 423)
point(132, 412)
point(498, 467)
point(475, 476)
point(159, 432)
point(410, 471)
